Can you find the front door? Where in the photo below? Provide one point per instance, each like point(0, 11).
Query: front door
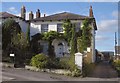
point(60, 50)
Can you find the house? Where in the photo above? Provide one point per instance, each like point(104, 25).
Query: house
point(54, 23)
point(22, 22)
point(117, 52)
point(108, 55)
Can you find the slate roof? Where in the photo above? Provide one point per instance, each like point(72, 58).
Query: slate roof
point(61, 16)
point(54, 17)
point(5, 15)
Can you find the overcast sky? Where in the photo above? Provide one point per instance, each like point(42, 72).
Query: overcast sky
point(106, 14)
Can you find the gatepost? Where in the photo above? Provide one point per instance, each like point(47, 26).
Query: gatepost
point(79, 60)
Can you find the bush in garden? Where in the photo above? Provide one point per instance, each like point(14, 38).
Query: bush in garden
point(39, 61)
point(64, 63)
point(77, 72)
point(116, 63)
point(54, 63)
point(88, 68)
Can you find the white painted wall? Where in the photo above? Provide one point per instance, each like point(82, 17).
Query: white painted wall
point(23, 24)
point(52, 27)
point(93, 45)
point(35, 28)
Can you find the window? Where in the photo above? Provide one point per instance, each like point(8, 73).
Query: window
point(59, 28)
point(44, 28)
point(78, 26)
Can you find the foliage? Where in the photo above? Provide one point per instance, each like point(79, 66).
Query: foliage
point(88, 68)
point(20, 47)
point(64, 63)
point(73, 49)
point(79, 44)
point(73, 43)
point(9, 28)
point(54, 63)
point(28, 34)
point(76, 72)
point(39, 61)
point(67, 30)
point(116, 65)
point(35, 45)
point(19, 41)
point(50, 36)
point(86, 34)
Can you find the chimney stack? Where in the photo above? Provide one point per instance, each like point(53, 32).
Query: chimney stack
point(44, 15)
point(31, 15)
point(38, 14)
point(23, 12)
point(91, 12)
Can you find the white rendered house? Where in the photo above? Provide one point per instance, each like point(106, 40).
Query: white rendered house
point(54, 23)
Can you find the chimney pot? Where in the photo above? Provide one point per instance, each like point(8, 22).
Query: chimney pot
point(31, 15)
point(44, 15)
point(91, 12)
point(23, 12)
point(38, 14)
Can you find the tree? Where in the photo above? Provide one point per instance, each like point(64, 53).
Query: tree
point(28, 34)
point(79, 44)
point(73, 41)
point(35, 46)
point(73, 46)
point(67, 30)
point(9, 28)
point(20, 44)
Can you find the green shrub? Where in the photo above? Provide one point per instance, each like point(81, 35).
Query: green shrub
point(64, 63)
point(39, 61)
point(77, 72)
point(54, 63)
point(116, 63)
point(88, 68)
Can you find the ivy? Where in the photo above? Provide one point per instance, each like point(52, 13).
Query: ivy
point(50, 36)
point(85, 39)
point(67, 25)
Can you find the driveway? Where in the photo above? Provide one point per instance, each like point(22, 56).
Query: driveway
point(104, 70)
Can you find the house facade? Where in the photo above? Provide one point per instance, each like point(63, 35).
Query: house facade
point(54, 23)
point(117, 52)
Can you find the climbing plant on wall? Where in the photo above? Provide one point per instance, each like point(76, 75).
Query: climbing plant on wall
point(50, 36)
point(85, 39)
point(67, 25)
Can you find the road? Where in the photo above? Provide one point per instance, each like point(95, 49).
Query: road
point(11, 74)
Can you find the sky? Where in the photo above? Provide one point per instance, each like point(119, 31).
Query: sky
point(105, 13)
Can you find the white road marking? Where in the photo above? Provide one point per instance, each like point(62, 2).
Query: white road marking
point(7, 78)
